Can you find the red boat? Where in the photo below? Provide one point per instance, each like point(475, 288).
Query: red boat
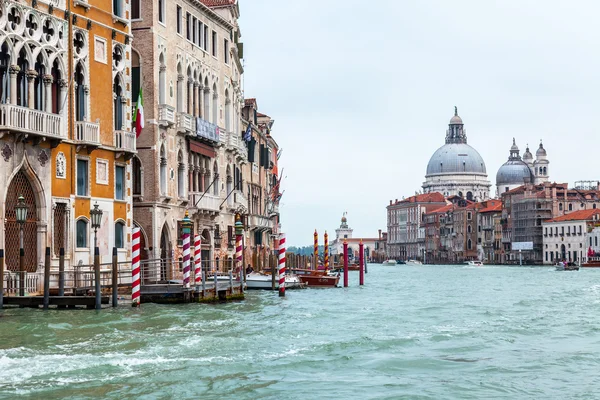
point(592, 262)
point(314, 278)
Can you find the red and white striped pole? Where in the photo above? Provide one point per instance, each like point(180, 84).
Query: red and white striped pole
point(239, 247)
point(326, 251)
point(345, 263)
point(186, 227)
point(316, 251)
point(197, 261)
point(135, 269)
point(361, 262)
point(282, 265)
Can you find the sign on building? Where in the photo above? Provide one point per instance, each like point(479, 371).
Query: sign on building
point(522, 245)
point(207, 130)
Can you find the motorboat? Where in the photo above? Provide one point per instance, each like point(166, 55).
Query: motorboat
point(413, 262)
point(566, 267)
point(262, 281)
point(389, 262)
point(320, 279)
point(474, 263)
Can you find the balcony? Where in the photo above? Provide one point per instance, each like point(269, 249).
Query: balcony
point(260, 222)
point(125, 144)
point(237, 145)
point(239, 200)
point(166, 115)
point(186, 123)
point(87, 135)
point(31, 122)
point(205, 203)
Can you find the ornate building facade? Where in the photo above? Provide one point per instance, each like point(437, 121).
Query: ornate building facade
point(516, 171)
point(457, 169)
point(62, 151)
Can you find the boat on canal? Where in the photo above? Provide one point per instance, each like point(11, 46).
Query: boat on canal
point(413, 262)
point(561, 266)
point(592, 262)
point(389, 262)
point(474, 263)
point(319, 279)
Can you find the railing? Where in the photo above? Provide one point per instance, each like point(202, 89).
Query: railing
point(166, 114)
point(88, 132)
point(239, 199)
point(170, 272)
point(236, 143)
point(261, 221)
point(33, 283)
point(125, 141)
point(30, 121)
point(206, 202)
point(186, 122)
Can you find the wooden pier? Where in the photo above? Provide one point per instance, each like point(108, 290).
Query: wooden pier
point(58, 301)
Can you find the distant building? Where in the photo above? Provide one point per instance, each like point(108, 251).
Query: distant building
point(516, 171)
point(406, 231)
point(457, 168)
point(344, 232)
point(566, 237)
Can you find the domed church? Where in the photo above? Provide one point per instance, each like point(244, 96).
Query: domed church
point(457, 168)
point(516, 171)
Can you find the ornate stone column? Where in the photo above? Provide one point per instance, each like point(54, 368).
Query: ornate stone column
point(31, 75)
point(13, 71)
point(63, 84)
point(48, 92)
point(190, 97)
point(200, 100)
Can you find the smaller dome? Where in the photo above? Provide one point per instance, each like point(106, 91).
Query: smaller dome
point(527, 155)
point(513, 172)
point(514, 146)
point(344, 219)
point(456, 120)
point(540, 151)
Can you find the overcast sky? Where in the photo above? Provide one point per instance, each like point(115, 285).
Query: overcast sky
point(362, 95)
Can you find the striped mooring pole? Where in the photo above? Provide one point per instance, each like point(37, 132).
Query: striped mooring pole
point(326, 251)
point(197, 261)
point(186, 228)
point(345, 263)
point(316, 251)
point(239, 248)
point(361, 262)
point(135, 269)
point(282, 265)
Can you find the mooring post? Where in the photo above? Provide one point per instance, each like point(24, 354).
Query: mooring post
point(115, 279)
point(361, 262)
point(203, 283)
point(216, 285)
point(21, 271)
point(47, 279)
point(345, 263)
point(231, 280)
point(98, 287)
point(1, 278)
point(135, 268)
point(281, 265)
point(61, 272)
point(273, 278)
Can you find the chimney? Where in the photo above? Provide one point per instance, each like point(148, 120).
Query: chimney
point(380, 234)
point(390, 202)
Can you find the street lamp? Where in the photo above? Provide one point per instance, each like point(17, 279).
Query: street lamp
point(21, 216)
point(96, 217)
point(217, 241)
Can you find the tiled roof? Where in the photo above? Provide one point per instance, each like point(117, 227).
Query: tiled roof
point(442, 209)
point(434, 197)
point(491, 208)
point(218, 3)
point(581, 215)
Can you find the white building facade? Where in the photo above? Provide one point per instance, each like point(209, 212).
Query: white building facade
point(566, 237)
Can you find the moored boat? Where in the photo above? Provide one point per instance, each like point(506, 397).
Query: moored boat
point(258, 280)
point(592, 262)
point(474, 263)
point(389, 262)
point(413, 262)
point(314, 278)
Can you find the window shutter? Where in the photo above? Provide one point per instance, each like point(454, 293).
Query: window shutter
point(262, 154)
point(251, 150)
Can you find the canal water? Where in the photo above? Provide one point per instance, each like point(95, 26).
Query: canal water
point(431, 332)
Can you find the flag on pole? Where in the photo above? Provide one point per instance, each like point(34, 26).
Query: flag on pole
point(138, 115)
point(248, 134)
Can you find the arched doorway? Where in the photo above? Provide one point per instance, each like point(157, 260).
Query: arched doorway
point(165, 254)
point(563, 252)
point(20, 185)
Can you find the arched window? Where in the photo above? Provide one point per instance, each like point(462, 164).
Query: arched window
point(22, 89)
point(216, 177)
point(56, 98)
point(229, 186)
point(39, 91)
point(136, 74)
point(545, 171)
point(136, 167)
point(179, 89)
point(119, 103)
point(162, 80)
point(227, 112)
point(570, 207)
point(82, 233)
point(180, 176)
point(163, 171)
point(206, 100)
point(4, 77)
point(80, 100)
point(215, 111)
point(469, 244)
point(190, 92)
point(596, 241)
point(194, 110)
point(560, 206)
point(120, 235)
point(468, 228)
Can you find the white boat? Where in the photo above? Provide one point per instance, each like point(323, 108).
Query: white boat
point(474, 263)
point(389, 262)
point(257, 280)
point(413, 262)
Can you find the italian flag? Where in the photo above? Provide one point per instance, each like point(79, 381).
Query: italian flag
point(138, 116)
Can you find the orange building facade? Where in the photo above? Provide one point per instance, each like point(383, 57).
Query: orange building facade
point(65, 128)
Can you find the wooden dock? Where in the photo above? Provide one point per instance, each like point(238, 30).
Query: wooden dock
point(58, 301)
point(163, 293)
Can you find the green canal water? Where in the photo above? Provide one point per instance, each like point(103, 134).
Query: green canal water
point(443, 332)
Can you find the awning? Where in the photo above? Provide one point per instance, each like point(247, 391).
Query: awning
point(203, 149)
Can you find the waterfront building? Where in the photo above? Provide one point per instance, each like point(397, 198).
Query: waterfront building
point(527, 206)
point(186, 57)
point(406, 231)
point(62, 151)
point(379, 255)
point(488, 223)
point(436, 234)
point(344, 233)
point(516, 171)
point(457, 168)
point(592, 239)
point(566, 237)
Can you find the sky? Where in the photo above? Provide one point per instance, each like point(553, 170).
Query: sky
point(362, 95)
